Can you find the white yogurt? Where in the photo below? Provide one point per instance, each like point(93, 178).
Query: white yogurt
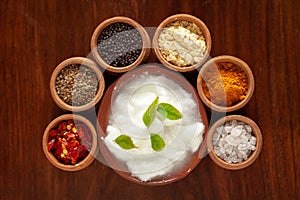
point(182, 137)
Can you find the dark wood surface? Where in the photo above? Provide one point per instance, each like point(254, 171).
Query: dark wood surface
point(37, 35)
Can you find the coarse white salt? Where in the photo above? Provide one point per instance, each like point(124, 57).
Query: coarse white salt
point(228, 129)
point(253, 140)
point(236, 132)
point(233, 141)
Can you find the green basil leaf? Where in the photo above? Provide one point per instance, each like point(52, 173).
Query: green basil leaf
point(125, 142)
point(157, 142)
point(149, 115)
point(169, 111)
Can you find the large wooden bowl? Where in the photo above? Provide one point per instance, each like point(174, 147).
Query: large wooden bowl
point(105, 111)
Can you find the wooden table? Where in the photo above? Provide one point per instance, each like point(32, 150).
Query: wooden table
point(35, 37)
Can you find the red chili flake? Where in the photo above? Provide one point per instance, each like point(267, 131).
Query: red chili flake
point(74, 143)
point(69, 142)
point(74, 155)
point(82, 151)
point(70, 135)
point(51, 144)
point(85, 138)
point(62, 126)
point(53, 133)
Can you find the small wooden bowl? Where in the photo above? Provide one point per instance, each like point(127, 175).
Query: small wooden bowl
point(212, 63)
point(184, 17)
point(145, 49)
point(105, 111)
point(87, 160)
point(254, 155)
point(82, 61)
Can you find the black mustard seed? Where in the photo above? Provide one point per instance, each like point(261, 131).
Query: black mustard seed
point(119, 44)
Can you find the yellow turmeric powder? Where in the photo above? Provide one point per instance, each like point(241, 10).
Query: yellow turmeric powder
point(226, 84)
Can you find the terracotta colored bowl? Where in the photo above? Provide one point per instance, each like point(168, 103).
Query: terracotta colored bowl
point(212, 63)
point(82, 61)
point(145, 49)
point(105, 111)
point(87, 160)
point(253, 156)
point(184, 17)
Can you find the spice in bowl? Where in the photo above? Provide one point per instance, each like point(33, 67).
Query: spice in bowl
point(182, 43)
point(69, 142)
point(119, 44)
point(226, 84)
point(234, 142)
point(76, 84)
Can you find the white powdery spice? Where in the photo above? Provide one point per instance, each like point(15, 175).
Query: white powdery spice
point(181, 46)
point(233, 141)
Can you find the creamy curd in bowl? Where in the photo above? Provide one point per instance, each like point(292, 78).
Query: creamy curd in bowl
point(130, 98)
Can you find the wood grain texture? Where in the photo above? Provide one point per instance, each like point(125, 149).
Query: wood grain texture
point(37, 35)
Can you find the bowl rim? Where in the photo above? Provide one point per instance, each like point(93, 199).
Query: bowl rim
point(103, 118)
point(145, 39)
point(254, 155)
point(83, 163)
point(187, 17)
point(82, 61)
point(240, 63)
